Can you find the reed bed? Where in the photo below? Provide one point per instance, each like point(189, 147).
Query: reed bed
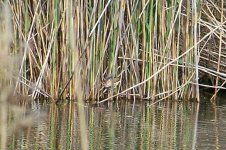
point(70, 48)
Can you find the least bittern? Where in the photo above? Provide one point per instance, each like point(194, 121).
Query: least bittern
point(111, 82)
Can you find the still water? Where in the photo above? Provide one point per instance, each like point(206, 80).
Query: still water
point(120, 125)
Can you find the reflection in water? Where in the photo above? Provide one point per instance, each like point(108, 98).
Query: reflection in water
point(212, 127)
point(122, 125)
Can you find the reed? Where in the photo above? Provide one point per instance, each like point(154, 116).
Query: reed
point(5, 68)
point(13, 118)
point(152, 47)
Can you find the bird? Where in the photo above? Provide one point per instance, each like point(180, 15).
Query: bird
point(110, 81)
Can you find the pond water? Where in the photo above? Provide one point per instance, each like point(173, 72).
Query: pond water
point(120, 125)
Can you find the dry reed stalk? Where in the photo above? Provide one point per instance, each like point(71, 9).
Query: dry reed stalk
point(220, 47)
point(78, 90)
point(5, 69)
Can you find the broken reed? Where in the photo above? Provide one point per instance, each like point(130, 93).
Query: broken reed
point(149, 45)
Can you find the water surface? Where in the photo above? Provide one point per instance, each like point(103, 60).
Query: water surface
point(121, 125)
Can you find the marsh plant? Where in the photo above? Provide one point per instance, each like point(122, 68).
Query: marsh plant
point(153, 47)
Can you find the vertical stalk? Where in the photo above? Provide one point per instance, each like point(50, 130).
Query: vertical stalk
point(195, 16)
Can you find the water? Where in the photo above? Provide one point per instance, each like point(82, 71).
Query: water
point(121, 125)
